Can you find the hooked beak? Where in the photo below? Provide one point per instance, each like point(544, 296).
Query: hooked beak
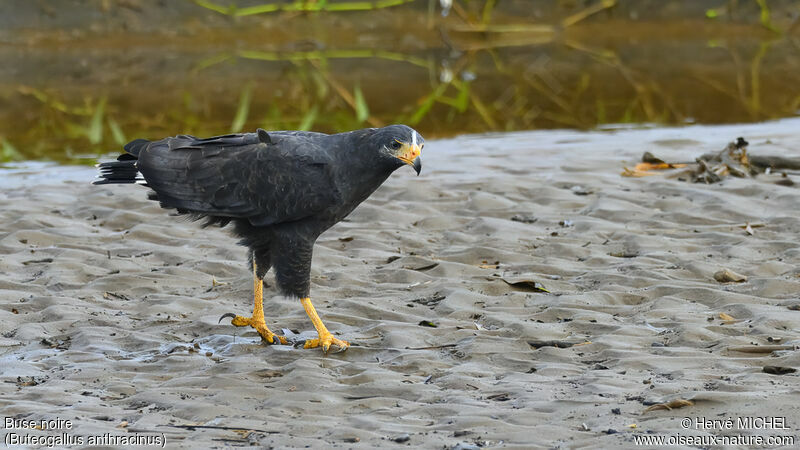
point(410, 154)
point(417, 164)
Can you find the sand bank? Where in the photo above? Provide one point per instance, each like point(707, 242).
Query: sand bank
point(108, 311)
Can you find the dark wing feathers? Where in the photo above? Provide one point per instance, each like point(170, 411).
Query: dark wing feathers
point(241, 176)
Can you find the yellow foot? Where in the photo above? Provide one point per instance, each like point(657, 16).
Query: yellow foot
point(259, 325)
point(326, 341)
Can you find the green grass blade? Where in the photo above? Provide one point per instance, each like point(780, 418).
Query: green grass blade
point(362, 110)
point(116, 132)
point(427, 104)
point(462, 101)
point(215, 7)
point(8, 152)
point(243, 110)
point(308, 119)
point(95, 130)
point(298, 6)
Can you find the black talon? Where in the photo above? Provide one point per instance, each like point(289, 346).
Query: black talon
point(231, 315)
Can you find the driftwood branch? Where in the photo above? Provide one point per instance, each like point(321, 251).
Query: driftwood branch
point(733, 160)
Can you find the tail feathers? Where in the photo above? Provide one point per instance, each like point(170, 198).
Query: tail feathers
point(119, 172)
point(123, 170)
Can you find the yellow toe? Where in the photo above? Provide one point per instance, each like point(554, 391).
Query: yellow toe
point(326, 341)
point(240, 321)
point(274, 337)
point(261, 327)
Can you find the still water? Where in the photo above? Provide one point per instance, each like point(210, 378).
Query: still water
point(78, 80)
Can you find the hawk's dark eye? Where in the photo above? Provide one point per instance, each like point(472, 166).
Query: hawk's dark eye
point(395, 145)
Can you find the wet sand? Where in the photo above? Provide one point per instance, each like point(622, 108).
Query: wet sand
point(108, 306)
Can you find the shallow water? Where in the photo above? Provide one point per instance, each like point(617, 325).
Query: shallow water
point(79, 81)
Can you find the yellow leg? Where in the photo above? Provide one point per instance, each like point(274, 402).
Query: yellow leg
point(257, 320)
point(325, 339)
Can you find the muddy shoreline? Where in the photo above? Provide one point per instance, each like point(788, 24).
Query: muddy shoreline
point(108, 311)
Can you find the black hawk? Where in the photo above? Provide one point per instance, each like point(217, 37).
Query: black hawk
point(280, 190)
